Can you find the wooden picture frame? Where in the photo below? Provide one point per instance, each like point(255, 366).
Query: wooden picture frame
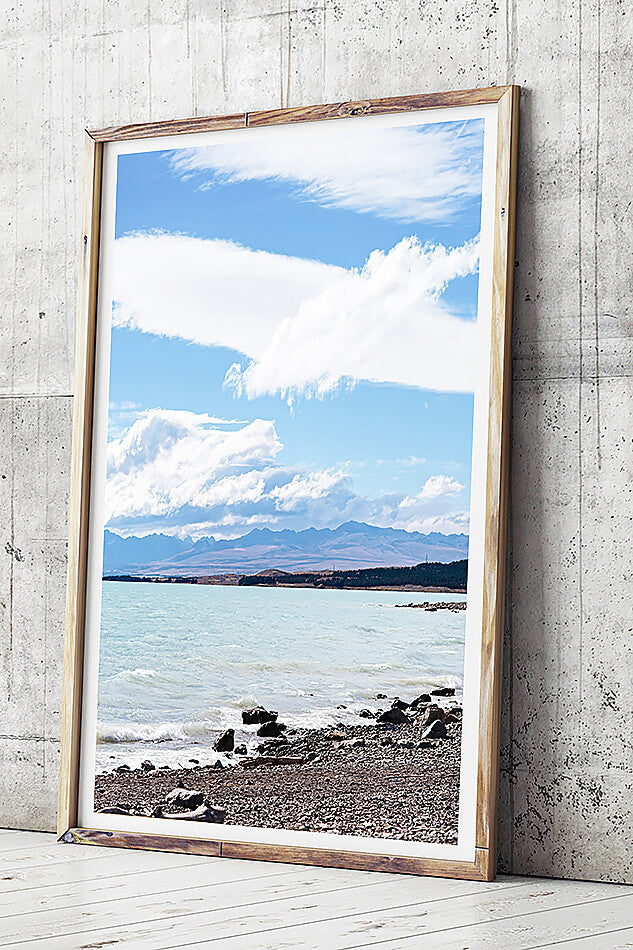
point(482, 865)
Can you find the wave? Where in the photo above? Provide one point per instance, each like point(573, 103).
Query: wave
point(137, 676)
point(156, 732)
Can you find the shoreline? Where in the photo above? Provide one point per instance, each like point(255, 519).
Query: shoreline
point(206, 581)
point(378, 778)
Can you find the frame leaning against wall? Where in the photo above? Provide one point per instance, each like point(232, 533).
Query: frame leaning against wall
point(482, 867)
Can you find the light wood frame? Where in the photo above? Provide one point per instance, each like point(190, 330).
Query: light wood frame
point(483, 866)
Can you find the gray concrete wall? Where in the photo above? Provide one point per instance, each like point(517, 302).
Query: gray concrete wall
point(566, 805)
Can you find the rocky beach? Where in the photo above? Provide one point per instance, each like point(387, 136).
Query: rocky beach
point(393, 774)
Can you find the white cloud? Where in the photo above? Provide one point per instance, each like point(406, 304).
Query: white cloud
point(385, 324)
point(178, 471)
point(211, 292)
point(305, 327)
point(437, 486)
point(410, 173)
point(168, 461)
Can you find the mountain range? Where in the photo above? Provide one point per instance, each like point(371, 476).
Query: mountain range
point(351, 546)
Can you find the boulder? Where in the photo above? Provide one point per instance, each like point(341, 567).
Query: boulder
point(421, 700)
point(271, 729)
point(366, 714)
point(256, 715)
point(394, 717)
point(240, 749)
point(203, 813)
point(431, 714)
point(225, 742)
point(381, 695)
point(399, 704)
point(443, 691)
point(184, 798)
point(122, 768)
point(437, 730)
point(148, 766)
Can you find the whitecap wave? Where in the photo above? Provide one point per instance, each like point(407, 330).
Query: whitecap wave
point(136, 676)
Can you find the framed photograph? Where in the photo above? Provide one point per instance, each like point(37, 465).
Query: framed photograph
point(287, 519)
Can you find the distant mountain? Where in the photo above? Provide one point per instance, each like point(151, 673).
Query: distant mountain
point(351, 546)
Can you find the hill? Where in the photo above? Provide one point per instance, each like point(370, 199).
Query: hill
point(352, 546)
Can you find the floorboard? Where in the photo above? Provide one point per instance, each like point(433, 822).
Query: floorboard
point(73, 897)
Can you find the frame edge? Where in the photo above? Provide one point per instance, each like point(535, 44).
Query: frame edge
point(80, 487)
point(477, 870)
point(497, 476)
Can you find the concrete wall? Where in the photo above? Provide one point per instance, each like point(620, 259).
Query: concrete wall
point(566, 806)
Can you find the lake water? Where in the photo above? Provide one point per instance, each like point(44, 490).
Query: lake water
point(178, 662)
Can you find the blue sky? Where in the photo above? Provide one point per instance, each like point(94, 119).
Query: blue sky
point(305, 385)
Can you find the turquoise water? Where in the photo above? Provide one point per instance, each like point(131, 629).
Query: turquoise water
point(178, 662)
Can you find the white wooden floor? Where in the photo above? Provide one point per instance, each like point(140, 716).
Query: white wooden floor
point(66, 897)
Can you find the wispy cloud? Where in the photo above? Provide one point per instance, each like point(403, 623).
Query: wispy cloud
point(410, 173)
point(385, 323)
point(304, 327)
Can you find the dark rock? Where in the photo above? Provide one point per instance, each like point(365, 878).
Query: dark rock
point(123, 768)
point(195, 761)
point(451, 717)
point(257, 715)
point(431, 714)
point(381, 695)
point(311, 756)
point(270, 729)
point(425, 745)
point(341, 706)
point(114, 810)
point(272, 760)
point(184, 798)
point(355, 743)
point(437, 730)
point(393, 717)
point(158, 812)
point(399, 704)
point(443, 691)
point(148, 766)
point(424, 698)
point(203, 813)
point(217, 764)
point(240, 749)
point(225, 742)
point(366, 714)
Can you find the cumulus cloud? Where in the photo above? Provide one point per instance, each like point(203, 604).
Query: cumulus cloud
point(185, 472)
point(410, 173)
point(303, 326)
point(169, 461)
